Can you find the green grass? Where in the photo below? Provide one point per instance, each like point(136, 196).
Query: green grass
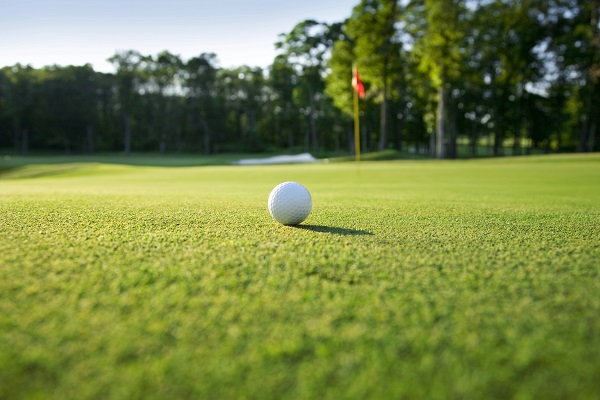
point(8, 162)
point(414, 279)
point(386, 155)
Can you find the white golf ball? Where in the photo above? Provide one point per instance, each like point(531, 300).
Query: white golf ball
point(290, 203)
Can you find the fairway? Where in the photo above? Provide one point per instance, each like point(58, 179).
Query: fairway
point(475, 279)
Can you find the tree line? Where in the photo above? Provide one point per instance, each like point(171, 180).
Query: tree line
point(441, 76)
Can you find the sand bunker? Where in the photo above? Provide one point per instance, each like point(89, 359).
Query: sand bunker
point(293, 159)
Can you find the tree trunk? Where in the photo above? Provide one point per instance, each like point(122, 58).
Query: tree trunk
point(16, 139)
point(90, 139)
point(451, 151)
point(516, 144)
point(432, 141)
point(559, 124)
point(474, 137)
point(499, 125)
point(383, 121)
point(441, 123)
point(582, 147)
point(290, 130)
point(499, 133)
point(179, 140)
point(400, 128)
point(24, 142)
point(127, 138)
point(307, 136)
point(313, 131)
point(313, 123)
point(239, 125)
point(517, 127)
point(206, 136)
point(586, 129)
point(498, 139)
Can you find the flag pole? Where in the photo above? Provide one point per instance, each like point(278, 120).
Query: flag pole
point(357, 86)
point(356, 128)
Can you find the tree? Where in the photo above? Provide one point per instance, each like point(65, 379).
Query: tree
point(65, 108)
point(4, 114)
point(105, 136)
point(443, 70)
point(576, 43)
point(307, 48)
point(200, 76)
point(282, 82)
point(510, 60)
point(440, 50)
point(163, 74)
point(377, 52)
point(20, 90)
point(129, 79)
point(243, 90)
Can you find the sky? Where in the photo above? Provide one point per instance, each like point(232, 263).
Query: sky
point(76, 32)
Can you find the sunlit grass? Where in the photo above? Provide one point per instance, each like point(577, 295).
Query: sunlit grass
point(473, 279)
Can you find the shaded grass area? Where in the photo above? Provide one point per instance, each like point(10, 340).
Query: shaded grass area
point(141, 159)
point(471, 279)
point(9, 162)
point(385, 155)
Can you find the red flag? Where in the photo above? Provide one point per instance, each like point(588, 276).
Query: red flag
point(357, 83)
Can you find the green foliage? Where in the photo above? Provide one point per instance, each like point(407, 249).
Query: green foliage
point(439, 49)
point(470, 279)
point(510, 71)
point(339, 84)
point(306, 50)
point(377, 51)
point(378, 54)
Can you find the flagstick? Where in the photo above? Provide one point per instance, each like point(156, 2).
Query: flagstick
point(356, 128)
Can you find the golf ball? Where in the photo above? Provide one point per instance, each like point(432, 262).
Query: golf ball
point(290, 203)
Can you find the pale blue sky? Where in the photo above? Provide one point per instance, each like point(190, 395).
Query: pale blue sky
point(75, 32)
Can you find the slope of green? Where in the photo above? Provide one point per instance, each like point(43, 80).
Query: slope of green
point(427, 279)
point(180, 160)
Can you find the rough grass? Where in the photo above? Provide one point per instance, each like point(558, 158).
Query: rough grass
point(466, 279)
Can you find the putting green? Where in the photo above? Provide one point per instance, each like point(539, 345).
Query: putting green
point(415, 279)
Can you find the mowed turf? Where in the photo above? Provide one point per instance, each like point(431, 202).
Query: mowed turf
point(421, 279)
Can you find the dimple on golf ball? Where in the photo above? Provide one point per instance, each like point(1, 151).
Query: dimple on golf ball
point(290, 203)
